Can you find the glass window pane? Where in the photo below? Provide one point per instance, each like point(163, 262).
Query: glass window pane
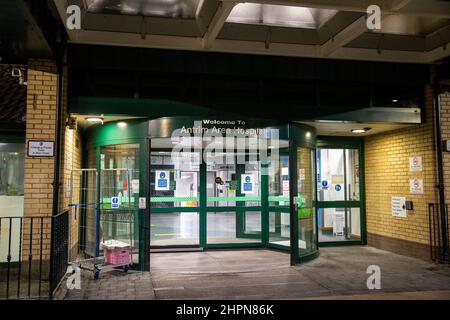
point(279, 228)
point(178, 228)
point(227, 181)
point(174, 179)
point(306, 208)
point(11, 169)
point(221, 181)
point(352, 172)
point(330, 168)
point(279, 181)
point(119, 177)
point(224, 227)
point(339, 224)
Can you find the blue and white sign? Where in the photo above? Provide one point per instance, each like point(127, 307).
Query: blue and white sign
point(337, 187)
point(115, 203)
point(41, 148)
point(162, 180)
point(247, 184)
point(325, 184)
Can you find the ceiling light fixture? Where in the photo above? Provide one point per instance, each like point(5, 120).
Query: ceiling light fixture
point(363, 130)
point(95, 119)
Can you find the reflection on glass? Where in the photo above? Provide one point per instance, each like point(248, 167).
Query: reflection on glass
point(174, 179)
point(223, 227)
point(11, 169)
point(279, 228)
point(11, 199)
point(227, 183)
point(177, 228)
point(306, 202)
point(279, 180)
point(279, 221)
point(352, 174)
point(221, 181)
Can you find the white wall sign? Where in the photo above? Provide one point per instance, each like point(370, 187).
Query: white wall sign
point(135, 186)
point(142, 203)
point(162, 180)
point(398, 205)
point(415, 163)
point(416, 186)
point(41, 148)
point(247, 184)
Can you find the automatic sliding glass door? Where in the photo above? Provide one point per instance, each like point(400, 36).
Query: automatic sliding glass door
point(174, 196)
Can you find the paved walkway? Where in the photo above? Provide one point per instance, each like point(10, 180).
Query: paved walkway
point(339, 273)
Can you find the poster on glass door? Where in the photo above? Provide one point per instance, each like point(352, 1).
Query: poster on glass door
point(162, 180)
point(247, 183)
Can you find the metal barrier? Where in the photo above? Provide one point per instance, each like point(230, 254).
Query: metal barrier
point(439, 232)
point(59, 248)
point(24, 257)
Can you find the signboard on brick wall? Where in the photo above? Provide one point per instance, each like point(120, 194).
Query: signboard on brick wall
point(398, 205)
point(415, 163)
point(416, 186)
point(40, 148)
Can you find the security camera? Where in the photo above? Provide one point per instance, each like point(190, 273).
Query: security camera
point(16, 73)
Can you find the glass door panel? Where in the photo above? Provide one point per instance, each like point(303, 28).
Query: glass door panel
point(306, 201)
point(233, 198)
point(174, 196)
point(119, 194)
point(278, 183)
point(338, 192)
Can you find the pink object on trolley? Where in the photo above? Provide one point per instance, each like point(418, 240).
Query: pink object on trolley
point(117, 252)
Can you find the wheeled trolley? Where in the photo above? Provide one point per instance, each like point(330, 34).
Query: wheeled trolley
point(116, 254)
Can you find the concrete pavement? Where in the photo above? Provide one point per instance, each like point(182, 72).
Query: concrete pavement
point(338, 273)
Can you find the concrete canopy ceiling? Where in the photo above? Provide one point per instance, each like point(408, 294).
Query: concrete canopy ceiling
point(413, 31)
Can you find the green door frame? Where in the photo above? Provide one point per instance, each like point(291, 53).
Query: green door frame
point(137, 132)
point(345, 144)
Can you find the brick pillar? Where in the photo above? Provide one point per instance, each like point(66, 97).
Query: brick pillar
point(40, 125)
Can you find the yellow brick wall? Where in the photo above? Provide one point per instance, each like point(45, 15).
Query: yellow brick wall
point(38, 175)
point(445, 132)
point(40, 125)
point(387, 175)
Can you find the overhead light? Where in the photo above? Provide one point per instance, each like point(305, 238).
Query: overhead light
point(360, 130)
point(94, 119)
point(394, 100)
point(121, 124)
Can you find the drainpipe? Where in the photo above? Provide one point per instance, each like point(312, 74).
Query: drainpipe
point(56, 174)
point(440, 167)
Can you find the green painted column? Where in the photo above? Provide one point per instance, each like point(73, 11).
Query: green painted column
point(265, 204)
point(202, 206)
